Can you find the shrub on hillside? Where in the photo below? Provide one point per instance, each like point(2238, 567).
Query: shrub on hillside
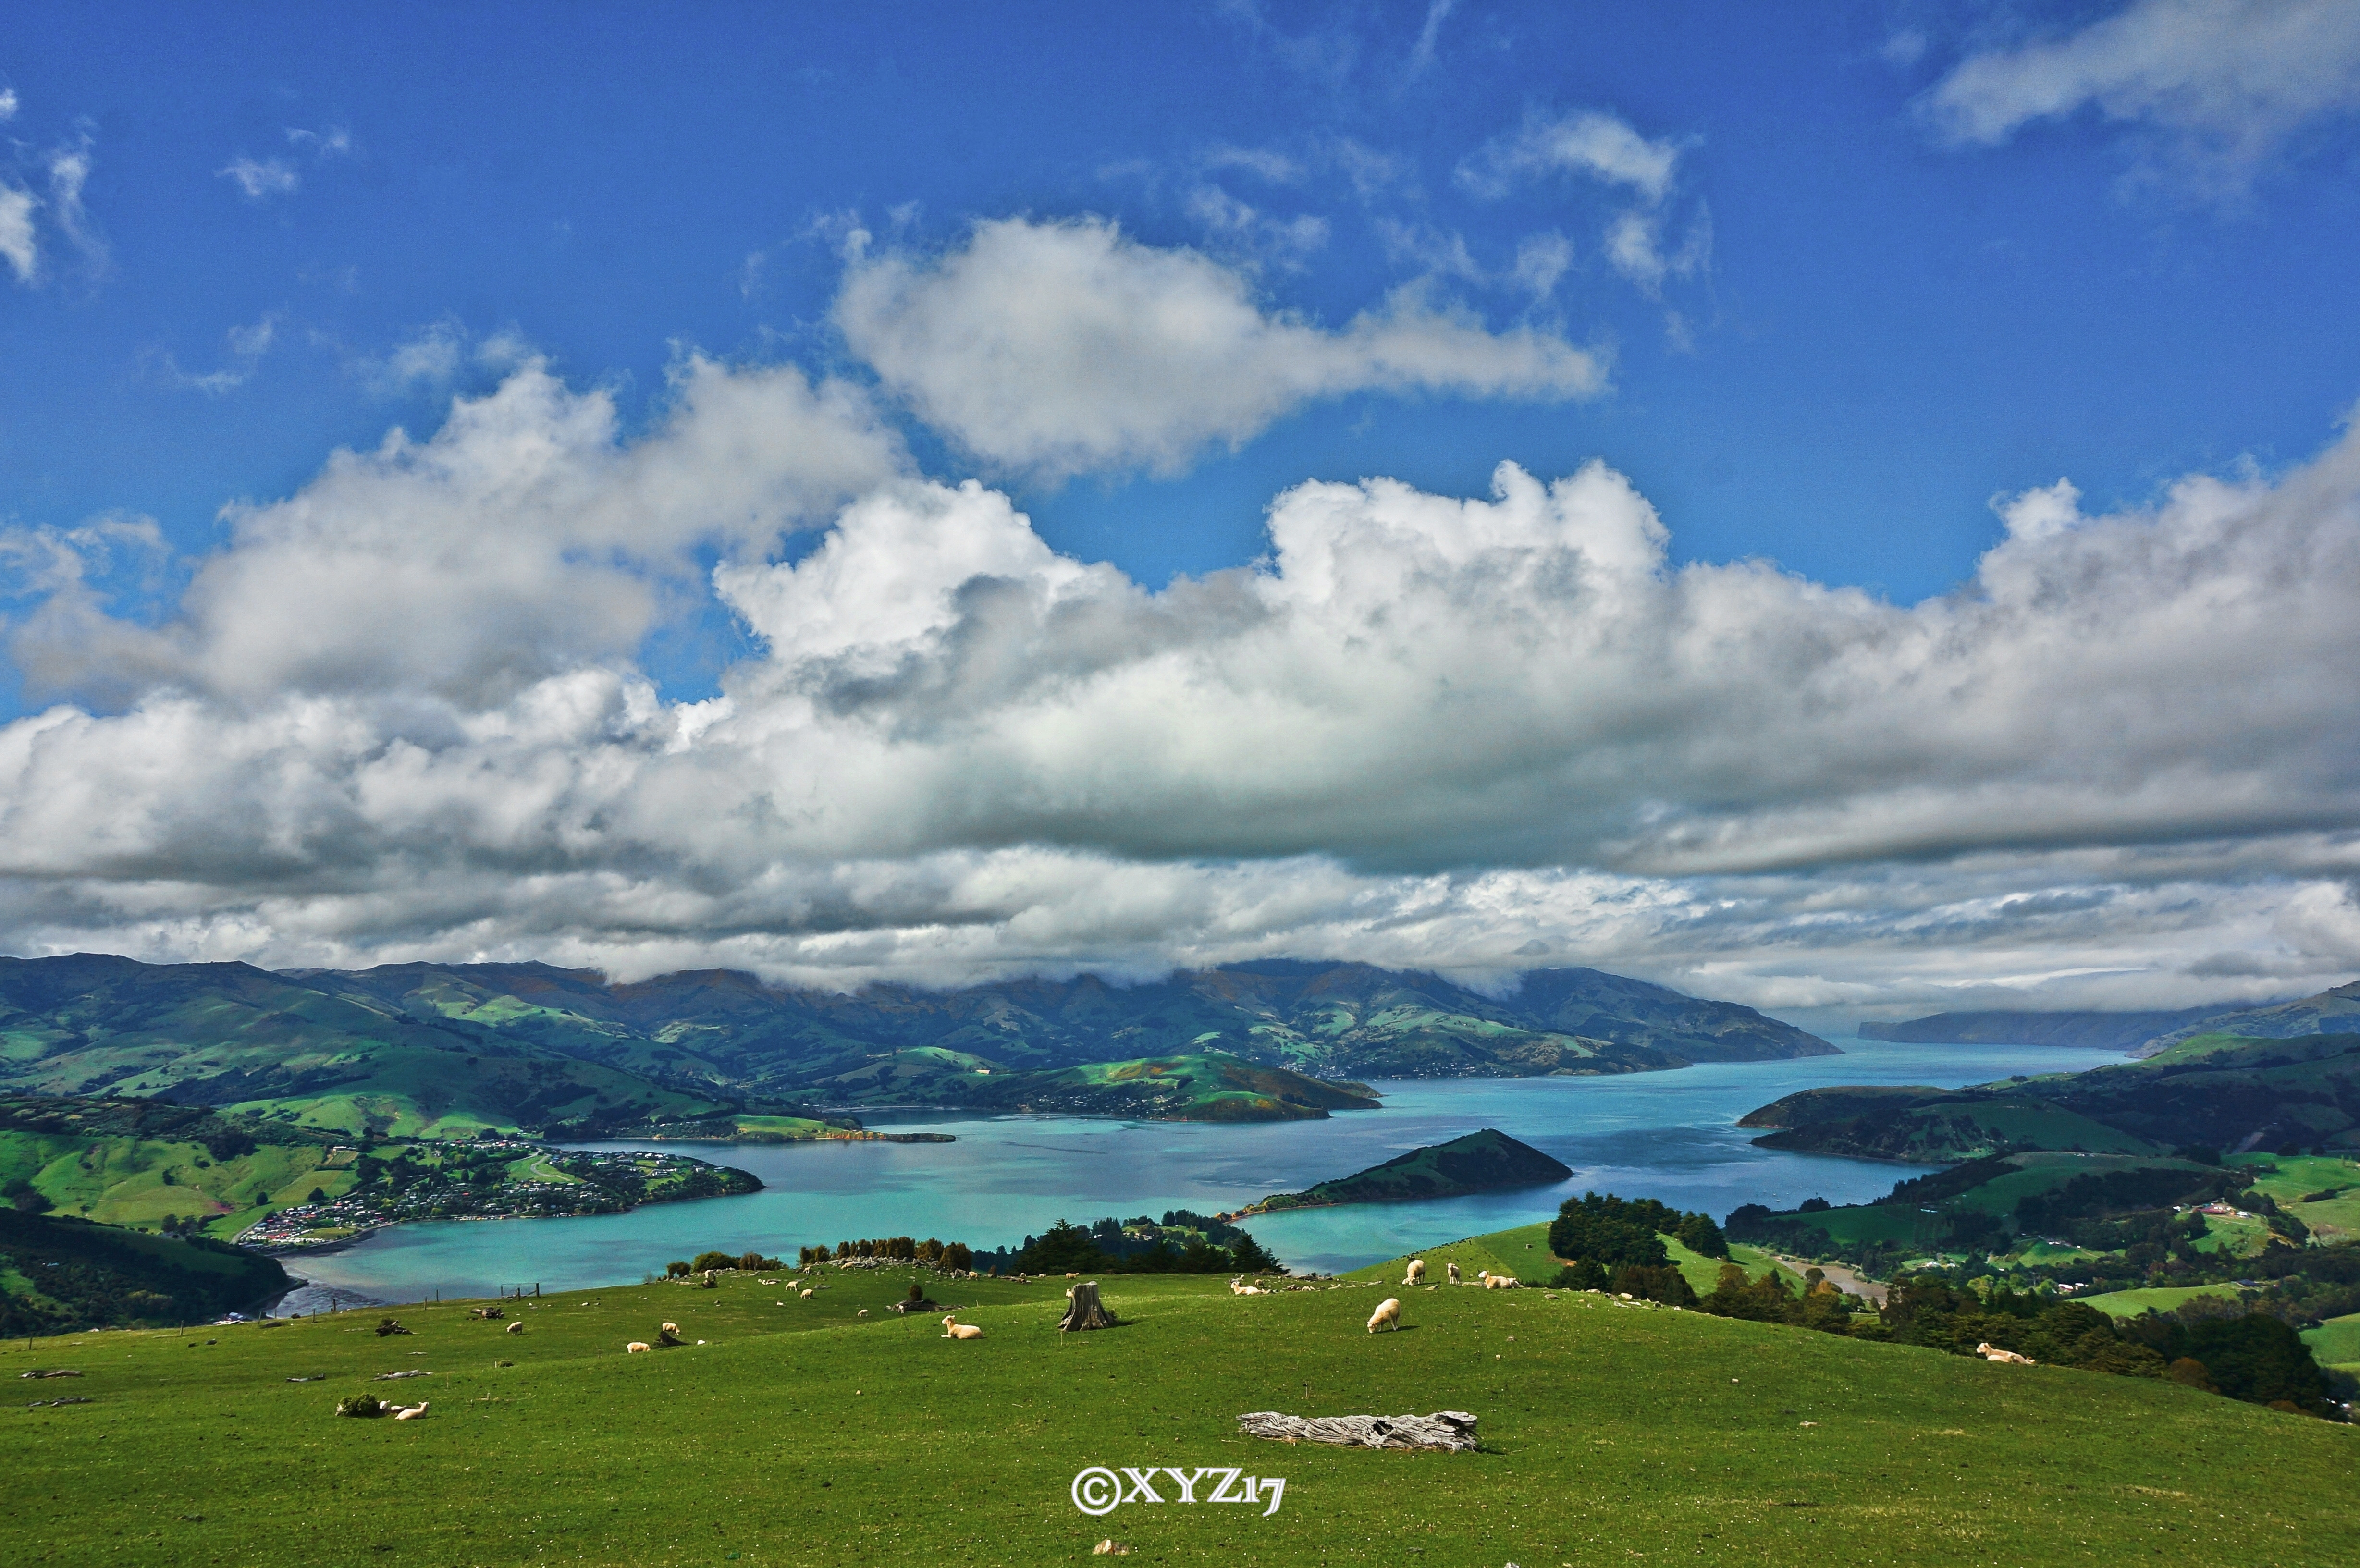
point(1650, 1283)
point(1614, 1232)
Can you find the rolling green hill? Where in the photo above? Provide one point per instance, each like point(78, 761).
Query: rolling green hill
point(1202, 1086)
point(1480, 1162)
point(2326, 1013)
point(799, 1432)
point(2213, 1090)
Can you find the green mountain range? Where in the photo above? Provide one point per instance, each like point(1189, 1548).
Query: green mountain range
point(1481, 1162)
point(2216, 1091)
point(431, 1050)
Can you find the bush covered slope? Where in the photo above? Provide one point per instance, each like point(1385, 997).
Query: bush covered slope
point(1481, 1162)
point(57, 1273)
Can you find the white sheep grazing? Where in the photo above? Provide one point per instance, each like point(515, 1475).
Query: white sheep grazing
point(412, 1413)
point(673, 1329)
point(861, 1313)
point(1415, 1273)
point(1387, 1316)
point(1454, 1272)
point(802, 1295)
point(954, 1329)
point(516, 1328)
point(635, 1346)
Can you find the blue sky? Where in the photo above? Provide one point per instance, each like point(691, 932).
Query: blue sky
point(1824, 284)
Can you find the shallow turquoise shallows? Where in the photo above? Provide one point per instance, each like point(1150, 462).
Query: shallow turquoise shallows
point(1670, 1136)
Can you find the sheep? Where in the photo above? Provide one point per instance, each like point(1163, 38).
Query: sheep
point(516, 1328)
point(1238, 1287)
point(1454, 1272)
point(635, 1346)
point(412, 1413)
point(1387, 1316)
point(1500, 1281)
point(861, 1313)
point(954, 1329)
point(802, 1295)
point(1990, 1351)
point(1415, 1273)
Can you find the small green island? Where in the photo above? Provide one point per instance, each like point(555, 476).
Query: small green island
point(1485, 1162)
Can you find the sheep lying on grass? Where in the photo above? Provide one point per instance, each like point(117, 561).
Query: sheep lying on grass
point(410, 1413)
point(635, 1346)
point(1500, 1281)
point(1238, 1287)
point(1387, 1316)
point(2004, 1357)
point(954, 1329)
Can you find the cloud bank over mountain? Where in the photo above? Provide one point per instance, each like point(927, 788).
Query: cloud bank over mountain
point(399, 713)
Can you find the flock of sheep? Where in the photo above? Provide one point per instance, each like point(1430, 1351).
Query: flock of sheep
point(1388, 1313)
point(1386, 1316)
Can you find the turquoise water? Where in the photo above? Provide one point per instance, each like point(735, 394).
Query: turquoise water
point(1663, 1134)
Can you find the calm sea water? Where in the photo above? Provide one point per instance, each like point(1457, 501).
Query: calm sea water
point(1663, 1135)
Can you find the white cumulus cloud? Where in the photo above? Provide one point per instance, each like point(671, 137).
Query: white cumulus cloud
point(1059, 348)
point(2228, 80)
point(397, 715)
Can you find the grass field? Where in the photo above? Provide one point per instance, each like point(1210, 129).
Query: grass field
point(2154, 1299)
point(2336, 1343)
point(799, 1432)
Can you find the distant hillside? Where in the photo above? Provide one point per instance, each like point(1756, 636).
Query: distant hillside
point(1198, 1088)
point(1481, 1162)
point(428, 1049)
point(2330, 1011)
point(2098, 1031)
point(2221, 1091)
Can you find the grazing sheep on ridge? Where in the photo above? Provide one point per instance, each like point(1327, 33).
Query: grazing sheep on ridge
point(1454, 1272)
point(635, 1346)
point(1387, 1316)
point(1415, 1273)
point(954, 1329)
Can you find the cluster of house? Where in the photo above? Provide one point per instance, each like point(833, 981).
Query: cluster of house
point(337, 1220)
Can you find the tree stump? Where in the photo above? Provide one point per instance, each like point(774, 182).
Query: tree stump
point(1085, 1310)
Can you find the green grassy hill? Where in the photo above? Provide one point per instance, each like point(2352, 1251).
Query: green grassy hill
point(1202, 1086)
point(802, 1433)
point(1483, 1161)
point(2213, 1091)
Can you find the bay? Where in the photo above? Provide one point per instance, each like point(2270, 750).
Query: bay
point(1670, 1136)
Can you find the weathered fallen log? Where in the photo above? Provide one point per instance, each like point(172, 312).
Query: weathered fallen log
point(1452, 1430)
